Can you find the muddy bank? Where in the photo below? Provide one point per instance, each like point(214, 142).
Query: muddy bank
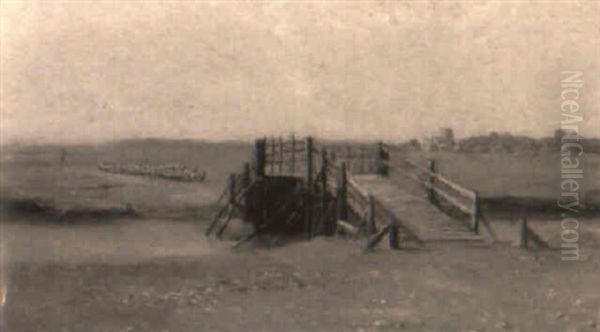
point(322, 285)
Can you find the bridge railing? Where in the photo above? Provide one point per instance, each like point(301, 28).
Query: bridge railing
point(441, 187)
point(371, 218)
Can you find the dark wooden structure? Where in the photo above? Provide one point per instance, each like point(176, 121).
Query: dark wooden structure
point(297, 186)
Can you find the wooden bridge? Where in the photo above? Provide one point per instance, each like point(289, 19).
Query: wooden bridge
point(366, 191)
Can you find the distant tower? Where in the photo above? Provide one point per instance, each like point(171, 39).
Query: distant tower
point(446, 138)
point(558, 134)
point(447, 134)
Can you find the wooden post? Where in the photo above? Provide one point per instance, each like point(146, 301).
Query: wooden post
point(309, 162)
point(280, 155)
point(393, 234)
point(380, 158)
point(309, 185)
point(371, 228)
point(324, 221)
point(259, 158)
point(372, 241)
point(273, 156)
point(476, 212)
point(342, 187)
point(430, 182)
point(524, 233)
point(292, 155)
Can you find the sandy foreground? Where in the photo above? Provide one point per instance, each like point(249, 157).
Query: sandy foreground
point(152, 275)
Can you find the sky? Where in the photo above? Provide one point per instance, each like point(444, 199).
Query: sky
point(84, 72)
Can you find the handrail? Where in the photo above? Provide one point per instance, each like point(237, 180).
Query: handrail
point(450, 191)
point(457, 187)
point(451, 199)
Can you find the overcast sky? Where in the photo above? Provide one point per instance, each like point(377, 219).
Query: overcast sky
point(87, 72)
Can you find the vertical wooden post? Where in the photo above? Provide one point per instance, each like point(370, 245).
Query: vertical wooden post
point(280, 155)
point(524, 233)
point(292, 154)
point(476, 212)
point(380, 158)
point(431, 179)
point(273, 156)
point(231, 190)
point(371, 228)
point(342, 187)
point(393, 233)
point(259, 158)
point(309, 162)
point(309, 185)
point(324, 221)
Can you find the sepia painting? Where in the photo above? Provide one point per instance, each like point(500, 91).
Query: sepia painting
point(299, 166)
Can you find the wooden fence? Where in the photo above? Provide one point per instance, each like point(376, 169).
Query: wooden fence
point(292, 157)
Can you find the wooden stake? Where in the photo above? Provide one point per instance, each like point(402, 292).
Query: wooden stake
point(524, 233)
point(309, 185)
point(375, 239)
point(476, 212)
point(327, 223)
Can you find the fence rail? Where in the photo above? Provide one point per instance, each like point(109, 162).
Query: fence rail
point(438, 187)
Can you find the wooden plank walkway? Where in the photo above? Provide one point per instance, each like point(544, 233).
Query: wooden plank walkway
point(408, 200)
